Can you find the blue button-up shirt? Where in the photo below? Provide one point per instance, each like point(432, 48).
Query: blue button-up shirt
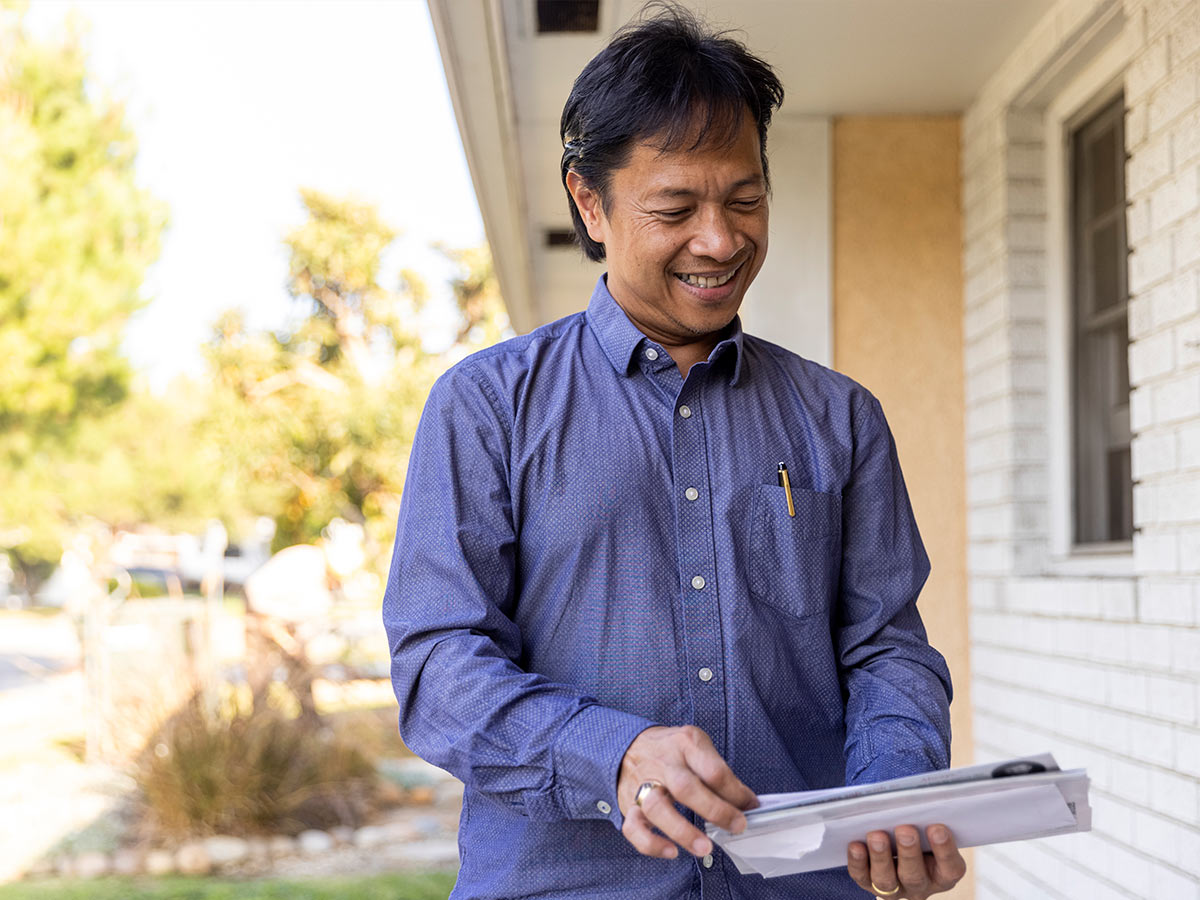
point(590, 544)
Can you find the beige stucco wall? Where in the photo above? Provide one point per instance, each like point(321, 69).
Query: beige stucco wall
point(897, 313)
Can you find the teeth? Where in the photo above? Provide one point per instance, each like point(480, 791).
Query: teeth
point(706, 281)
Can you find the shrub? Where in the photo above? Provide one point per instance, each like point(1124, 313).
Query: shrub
point(251, 771)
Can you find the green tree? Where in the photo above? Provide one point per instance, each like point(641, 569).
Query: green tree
point(320, 416)
point(77, 234)
point(482, 314)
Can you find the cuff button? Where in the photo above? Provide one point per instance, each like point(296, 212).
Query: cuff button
point(603, 807)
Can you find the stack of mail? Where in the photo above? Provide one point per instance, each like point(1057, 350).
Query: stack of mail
point(984, 804)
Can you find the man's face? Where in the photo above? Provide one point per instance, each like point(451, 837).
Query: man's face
point(684, 235)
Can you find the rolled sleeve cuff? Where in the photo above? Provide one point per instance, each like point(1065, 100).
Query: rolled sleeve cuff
point(896, 765)
point(587, 757)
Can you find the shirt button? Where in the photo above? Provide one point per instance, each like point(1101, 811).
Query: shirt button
point(651, 354)
point(685, 411)
point(698, 582)
point(603, 807)
point(707, 861)
point(691, 493)
point(706, 674)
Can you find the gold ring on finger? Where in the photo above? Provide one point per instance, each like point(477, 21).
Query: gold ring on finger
point(644, 790)
point(880, 892)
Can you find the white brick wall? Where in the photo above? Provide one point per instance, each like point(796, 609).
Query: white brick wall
point(1103, 670)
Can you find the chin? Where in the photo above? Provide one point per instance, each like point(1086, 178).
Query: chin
point(713, 322)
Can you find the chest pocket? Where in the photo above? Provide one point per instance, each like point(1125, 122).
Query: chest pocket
point(795, 560)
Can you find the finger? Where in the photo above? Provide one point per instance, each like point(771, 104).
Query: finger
point(662, 814)
point(687, 788)
point(910, 862)
point(948, 866)
point(857, 864)
point(703, 759)
point(883, 870)
point(637, 831)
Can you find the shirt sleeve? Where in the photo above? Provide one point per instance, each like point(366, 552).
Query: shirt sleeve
point(466, 705)
point(897, 686)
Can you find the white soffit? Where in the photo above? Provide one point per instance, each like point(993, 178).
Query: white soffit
point(835, 57)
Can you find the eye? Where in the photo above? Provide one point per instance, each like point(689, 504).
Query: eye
point(749, 203)
point(671, 213)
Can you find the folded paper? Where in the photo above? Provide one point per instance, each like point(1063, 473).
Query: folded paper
point(984, 804)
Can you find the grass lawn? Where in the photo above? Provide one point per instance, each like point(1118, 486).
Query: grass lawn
point(406, 886)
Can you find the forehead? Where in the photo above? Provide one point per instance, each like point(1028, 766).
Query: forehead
point(722, 160)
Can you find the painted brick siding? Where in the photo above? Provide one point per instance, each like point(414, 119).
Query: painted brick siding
point(1104, 670)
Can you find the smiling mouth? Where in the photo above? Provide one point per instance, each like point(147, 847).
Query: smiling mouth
point(707, 281)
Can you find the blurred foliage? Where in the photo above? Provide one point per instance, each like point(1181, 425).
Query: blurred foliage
point(149, 462)
point(78, 234)
point(402, 886)
point(320, 416)
point(482, 316)
point(308, 423)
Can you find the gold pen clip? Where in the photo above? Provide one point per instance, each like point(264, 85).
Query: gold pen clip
point(786, 484)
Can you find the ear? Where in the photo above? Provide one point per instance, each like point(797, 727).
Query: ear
point(589, 205)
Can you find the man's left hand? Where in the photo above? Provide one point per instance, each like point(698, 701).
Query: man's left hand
point(912, 874)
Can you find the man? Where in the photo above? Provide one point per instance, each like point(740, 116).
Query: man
point(606, 615)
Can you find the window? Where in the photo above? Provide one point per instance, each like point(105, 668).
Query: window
point(1103, 486)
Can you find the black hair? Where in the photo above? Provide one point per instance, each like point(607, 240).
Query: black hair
point(665, 76)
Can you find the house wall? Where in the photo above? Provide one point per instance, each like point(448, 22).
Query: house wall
point(791, 300)
point(898, 309)
point(898, 330)
point(1094, 657)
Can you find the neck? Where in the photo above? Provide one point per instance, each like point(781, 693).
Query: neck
point(686, 350)
point(687, 355)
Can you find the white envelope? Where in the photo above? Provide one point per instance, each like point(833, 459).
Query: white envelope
point(810, 836)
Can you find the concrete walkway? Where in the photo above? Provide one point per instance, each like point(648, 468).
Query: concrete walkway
point(46, 792)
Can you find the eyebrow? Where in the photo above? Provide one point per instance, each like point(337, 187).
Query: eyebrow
point(754, 180)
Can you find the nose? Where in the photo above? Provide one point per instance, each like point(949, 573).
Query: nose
point(716, 236)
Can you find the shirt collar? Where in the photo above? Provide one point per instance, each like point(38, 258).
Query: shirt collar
point(620, 338)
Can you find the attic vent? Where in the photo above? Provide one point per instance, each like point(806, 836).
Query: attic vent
point(567, 15)
point(560, 237)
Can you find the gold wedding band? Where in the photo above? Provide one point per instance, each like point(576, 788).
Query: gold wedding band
point(880, 892)
point(644, 791)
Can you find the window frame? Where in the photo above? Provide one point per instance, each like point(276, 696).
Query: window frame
point(1095, 86)
point(1090, 412)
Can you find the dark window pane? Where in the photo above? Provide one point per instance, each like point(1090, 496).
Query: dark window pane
point(1107, 257)
point(1100, 333)
point(1120, 510)
point(1120, 337)
point(1104, 176)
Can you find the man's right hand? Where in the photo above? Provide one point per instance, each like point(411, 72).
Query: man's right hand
point(692, 773)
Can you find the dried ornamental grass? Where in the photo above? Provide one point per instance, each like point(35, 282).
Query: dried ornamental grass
point(252, 771)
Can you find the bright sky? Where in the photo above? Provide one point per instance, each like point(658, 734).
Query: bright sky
point(238, 105)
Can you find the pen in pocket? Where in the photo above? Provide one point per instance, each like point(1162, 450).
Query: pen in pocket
point(787, 488)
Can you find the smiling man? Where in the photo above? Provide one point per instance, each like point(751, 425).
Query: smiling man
point(610, 612)
point(684, 230)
